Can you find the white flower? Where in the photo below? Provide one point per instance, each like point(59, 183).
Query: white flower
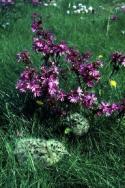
point(82, 9)
point(78, 11)
point(75, 11)
point(79, 91)
point(123, 32)
point(86, 11)
point(83, 6)
point(80, 5)
point(123, 6)
point(45, 4)
point(68, 12)
point(74, 6)
point(54, 4)
point(90, 8)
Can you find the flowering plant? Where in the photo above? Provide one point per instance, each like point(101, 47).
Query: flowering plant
point(58, 59)
point(6, 2)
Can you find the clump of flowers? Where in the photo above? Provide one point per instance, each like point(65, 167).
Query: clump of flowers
point(79, 9)
point(52, 3)
point(117, 60)
point(78, 124)
point(6, 2)
point(108, 109)
point(45, 84)
point(44, 2)
point(44, 152)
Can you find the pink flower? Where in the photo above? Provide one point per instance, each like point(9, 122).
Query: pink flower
point(107, 108)
point(35, 2)
point(89, 73)
point(24, 56)
point(45, 83)
point(61, 95)
point(89, 99)
point(7, 2)
point(118, 59)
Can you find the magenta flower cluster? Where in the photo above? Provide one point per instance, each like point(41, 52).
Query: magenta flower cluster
point(118, 59)
point(11, 2)
point(42, 84)
point(24, 57)
point(45, 83)
point(7, 2)
point(108, 109)
point(36, 2)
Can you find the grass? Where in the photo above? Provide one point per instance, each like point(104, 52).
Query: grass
point(97, 159)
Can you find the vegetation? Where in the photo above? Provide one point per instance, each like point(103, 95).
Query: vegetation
point(96, 159)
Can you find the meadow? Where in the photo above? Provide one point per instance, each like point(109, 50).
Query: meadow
point(97, 158)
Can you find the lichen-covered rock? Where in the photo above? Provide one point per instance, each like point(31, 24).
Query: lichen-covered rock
point(44, 152)
point(56, 150)
point(78, 124)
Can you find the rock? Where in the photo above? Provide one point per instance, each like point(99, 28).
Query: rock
point(78, 124)
point(44, 152)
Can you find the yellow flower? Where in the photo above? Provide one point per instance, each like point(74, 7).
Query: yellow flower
point(40, 103)
point(113, 83)
point(100, 56)
point(67, 131)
